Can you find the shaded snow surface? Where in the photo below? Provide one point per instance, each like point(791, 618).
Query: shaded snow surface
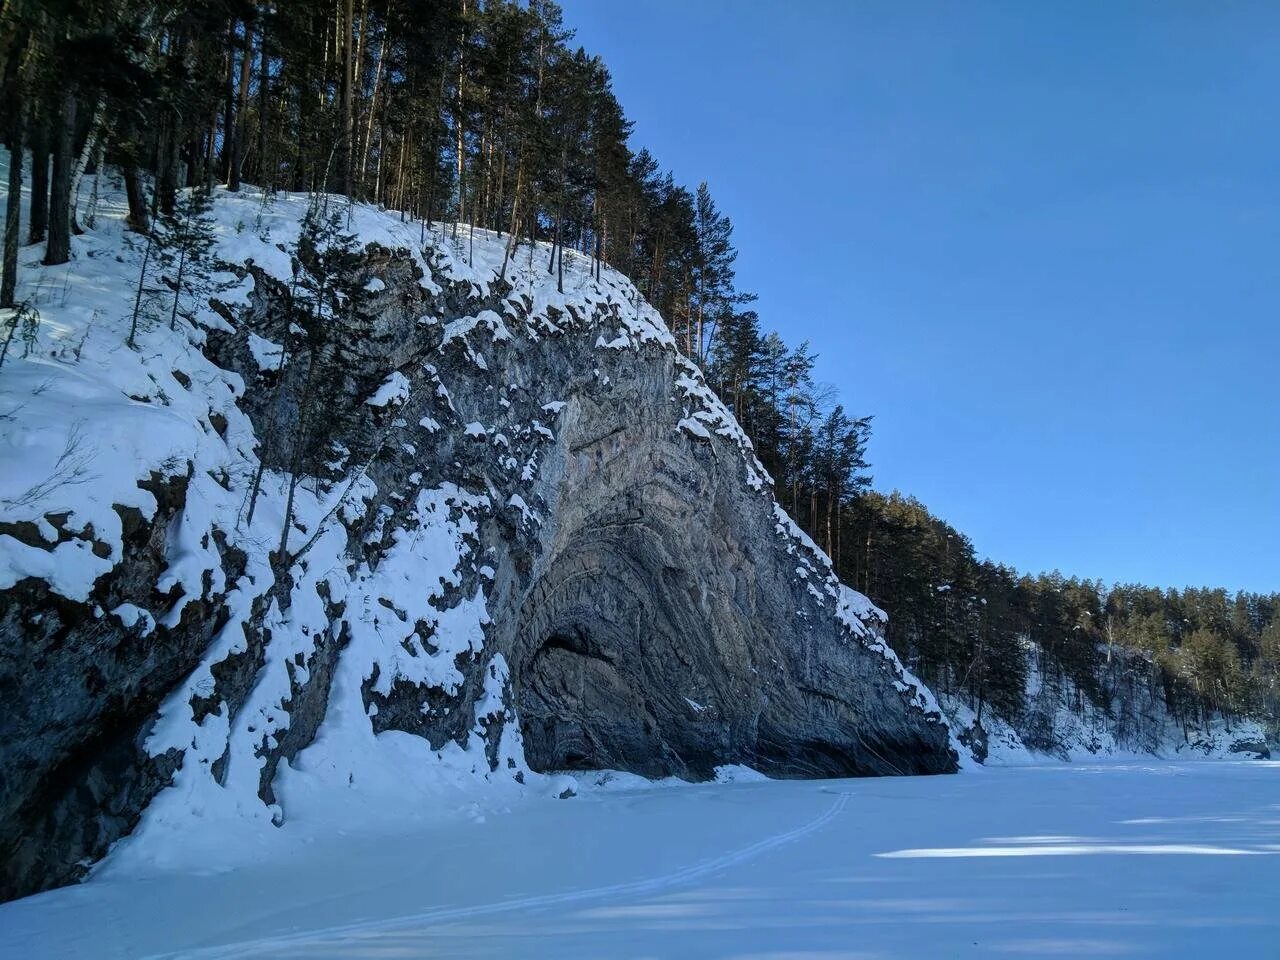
point(1157, 859)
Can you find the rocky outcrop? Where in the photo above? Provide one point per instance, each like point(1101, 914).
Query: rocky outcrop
point(530, 532)
point(77, 691)
point(1059, 719)
point(664, 628)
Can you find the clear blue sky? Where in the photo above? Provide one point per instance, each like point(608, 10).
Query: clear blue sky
point(1039, 241)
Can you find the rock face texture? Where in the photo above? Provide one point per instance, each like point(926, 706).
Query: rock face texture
point(526, 534)
point(664, 628)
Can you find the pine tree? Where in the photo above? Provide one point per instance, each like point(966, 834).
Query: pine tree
point(712, 271)
point(187, 246)
point(328, 298)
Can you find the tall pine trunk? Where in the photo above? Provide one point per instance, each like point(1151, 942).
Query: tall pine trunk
point(266, 176)
point(166, 185)
point(830, 533)
point(99, 164)
point(177, 293)
point(12, 213)
point(305, 417)
point(138, 220)
point(132, 342)
point(560, 257)
point(348, 97)
point(38, 215)
point(515, 220)
point(242, 108)
point(96, 123)
point(373, 105)
point(228, 104)
point(58, 247)
point(461, 133)
point(210, 153)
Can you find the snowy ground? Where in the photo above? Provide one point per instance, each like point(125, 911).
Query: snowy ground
point(1156, 859)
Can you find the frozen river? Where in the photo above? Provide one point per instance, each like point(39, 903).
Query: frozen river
point(1141, 860)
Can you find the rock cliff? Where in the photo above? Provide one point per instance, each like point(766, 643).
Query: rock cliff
point(523, 536)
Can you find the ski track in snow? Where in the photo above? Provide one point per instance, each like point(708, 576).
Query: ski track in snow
point(331, 936)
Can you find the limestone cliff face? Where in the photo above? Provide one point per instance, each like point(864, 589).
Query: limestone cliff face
point(672, 621)
point(536, 542)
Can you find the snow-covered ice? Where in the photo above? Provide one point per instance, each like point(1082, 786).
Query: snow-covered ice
point(1158, 859)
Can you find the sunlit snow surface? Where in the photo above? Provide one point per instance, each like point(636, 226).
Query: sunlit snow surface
point(1157, 860)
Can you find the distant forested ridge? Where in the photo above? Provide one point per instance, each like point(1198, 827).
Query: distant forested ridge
point(485, 115)
point(974, 629)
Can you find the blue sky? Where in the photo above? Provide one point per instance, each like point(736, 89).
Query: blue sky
point(1039, 241)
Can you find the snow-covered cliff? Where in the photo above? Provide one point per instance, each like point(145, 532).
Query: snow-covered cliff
point(1059, 720)
point(523, 537)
